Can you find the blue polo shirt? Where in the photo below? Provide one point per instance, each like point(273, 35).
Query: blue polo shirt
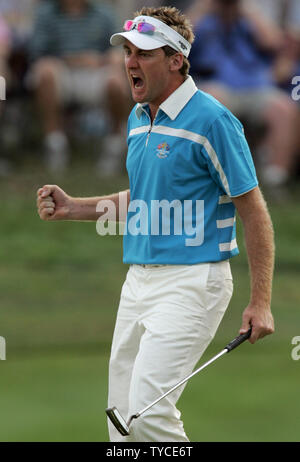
point(183, 171)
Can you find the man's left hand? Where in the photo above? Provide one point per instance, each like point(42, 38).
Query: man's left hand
point(261, 321)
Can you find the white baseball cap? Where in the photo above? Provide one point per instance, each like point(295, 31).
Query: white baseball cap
point(148, 33)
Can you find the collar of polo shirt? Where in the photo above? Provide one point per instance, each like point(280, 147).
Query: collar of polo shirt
point(174, 104)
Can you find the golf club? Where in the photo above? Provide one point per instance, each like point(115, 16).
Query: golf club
point(120, 423)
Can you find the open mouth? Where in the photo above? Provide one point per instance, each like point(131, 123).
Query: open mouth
point(137, 82)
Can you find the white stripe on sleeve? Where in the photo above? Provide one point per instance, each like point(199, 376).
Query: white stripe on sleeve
point(225, 223)
point(228, 246)
point(224, 200)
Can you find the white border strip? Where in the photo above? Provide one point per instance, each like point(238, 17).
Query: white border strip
point(228, 246)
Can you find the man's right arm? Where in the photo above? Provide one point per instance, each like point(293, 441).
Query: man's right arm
point(54, 204)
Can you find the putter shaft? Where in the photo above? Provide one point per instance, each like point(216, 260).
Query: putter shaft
point(123, 427)
point(181, 383)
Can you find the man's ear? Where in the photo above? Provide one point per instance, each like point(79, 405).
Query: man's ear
point(176, 62)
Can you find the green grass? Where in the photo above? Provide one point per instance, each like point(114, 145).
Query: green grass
point(54, 396)
point(61, 396)
point(249, 396)
point(59, 290)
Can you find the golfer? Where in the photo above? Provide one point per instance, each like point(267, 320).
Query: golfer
point(189, 170)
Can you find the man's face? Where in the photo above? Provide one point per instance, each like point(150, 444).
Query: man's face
point(148, 74)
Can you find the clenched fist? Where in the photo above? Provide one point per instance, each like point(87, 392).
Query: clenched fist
point(53, 203)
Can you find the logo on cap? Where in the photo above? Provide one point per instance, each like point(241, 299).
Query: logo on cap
point(182, 45)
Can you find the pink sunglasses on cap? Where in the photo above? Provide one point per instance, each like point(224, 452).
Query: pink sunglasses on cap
point(142, 27)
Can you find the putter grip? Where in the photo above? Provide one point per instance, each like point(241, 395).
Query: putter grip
point(238, 340)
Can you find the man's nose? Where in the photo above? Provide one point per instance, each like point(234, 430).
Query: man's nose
point(132, 62)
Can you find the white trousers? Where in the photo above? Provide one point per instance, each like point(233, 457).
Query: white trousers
point(166, 319)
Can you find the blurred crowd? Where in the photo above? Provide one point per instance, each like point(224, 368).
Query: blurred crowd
point(62, 74)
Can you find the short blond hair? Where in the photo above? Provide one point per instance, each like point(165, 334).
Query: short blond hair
point(178, 21)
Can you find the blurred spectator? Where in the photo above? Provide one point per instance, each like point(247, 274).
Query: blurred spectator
point(198, 9)
point(287, 62)
point(179, 4)
point(285, 13)
point(138, 4)
point(182, 5)
point(69, 48)
point(18, 16)
point(5, 44)
point(232, 59)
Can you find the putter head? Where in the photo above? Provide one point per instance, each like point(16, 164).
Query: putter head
point(117, 420)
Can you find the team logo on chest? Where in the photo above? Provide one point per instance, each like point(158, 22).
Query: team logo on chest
point(163, 150)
